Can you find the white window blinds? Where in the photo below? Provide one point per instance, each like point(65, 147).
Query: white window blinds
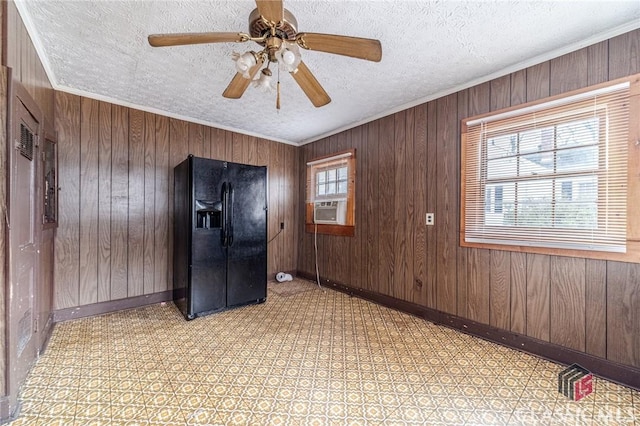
point(549, 175)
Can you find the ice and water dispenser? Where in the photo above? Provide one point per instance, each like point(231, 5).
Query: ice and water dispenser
point(208, 214)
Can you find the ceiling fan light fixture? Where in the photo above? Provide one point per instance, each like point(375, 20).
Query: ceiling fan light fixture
point(288, 56)
point(264, 82)
point(244, 62)
point(275, 29)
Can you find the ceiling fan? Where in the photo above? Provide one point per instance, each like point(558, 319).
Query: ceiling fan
point(275, 29)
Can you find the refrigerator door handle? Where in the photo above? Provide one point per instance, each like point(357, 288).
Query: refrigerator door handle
point(225, 200)
point(230, 207)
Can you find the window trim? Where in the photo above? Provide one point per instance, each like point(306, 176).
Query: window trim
point(348, 229)
point(633, 177)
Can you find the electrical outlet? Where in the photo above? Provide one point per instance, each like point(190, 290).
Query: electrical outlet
point(281, 225)
point(430, 219)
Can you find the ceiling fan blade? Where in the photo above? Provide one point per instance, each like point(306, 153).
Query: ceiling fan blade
point(161, 40)
point(271, 10)
point(239, 84)
point(310, 86)
point(356, 47)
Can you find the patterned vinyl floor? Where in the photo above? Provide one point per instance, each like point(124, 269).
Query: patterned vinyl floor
point(306, 357)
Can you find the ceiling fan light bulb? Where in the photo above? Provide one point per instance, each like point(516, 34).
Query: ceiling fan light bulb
point(288, 57)
point(244, 63)
point(264, 82)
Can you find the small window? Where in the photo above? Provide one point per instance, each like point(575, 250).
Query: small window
point(550, 175)
point(331, 182)
point(330, 194)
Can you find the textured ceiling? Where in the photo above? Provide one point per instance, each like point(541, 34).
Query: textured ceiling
point(430, 48)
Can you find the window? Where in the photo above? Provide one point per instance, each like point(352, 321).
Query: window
point(331, 182)
point(330, 194)
point(552, 176)
point(538, 168)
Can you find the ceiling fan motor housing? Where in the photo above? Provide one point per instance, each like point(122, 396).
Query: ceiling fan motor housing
point(286, 30)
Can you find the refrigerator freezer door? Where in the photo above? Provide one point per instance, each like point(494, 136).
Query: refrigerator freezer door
point(247, 263)
point(208, 257)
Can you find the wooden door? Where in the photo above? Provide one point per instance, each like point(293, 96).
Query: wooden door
point(23, 241)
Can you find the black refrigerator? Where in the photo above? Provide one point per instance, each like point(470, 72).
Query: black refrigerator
point(220, 235)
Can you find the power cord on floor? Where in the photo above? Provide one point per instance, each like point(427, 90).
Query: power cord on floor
point(315, 245)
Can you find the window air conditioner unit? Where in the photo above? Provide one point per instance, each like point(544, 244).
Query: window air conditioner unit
point(330, 212)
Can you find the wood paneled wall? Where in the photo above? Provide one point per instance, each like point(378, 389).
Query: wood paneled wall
point(408, 164)
point(116, 199)
point(20, 55)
